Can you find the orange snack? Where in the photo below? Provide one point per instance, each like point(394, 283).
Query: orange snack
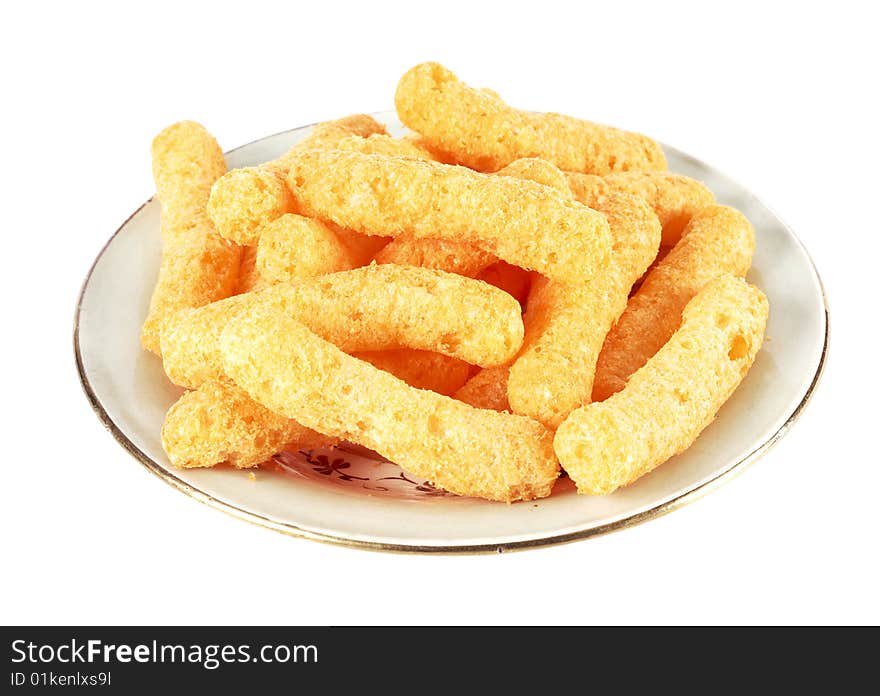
point(566, 323)
point(674, 198)
point(718, 240)
point(198, 266)
point(522, 222)
point(219, 423)
point(484, 133)
point(365, 309)
point(464, 450)
point(421, 369)
point(294, 247)
point(461, 257)
point(669, 401)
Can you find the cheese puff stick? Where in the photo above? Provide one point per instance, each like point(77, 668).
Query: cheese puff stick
point(717, 240)
point(198, 266)
point(484, 133)
point(245, 199)
point(668, 402)
point(294, 247)
point(566, 324)
point(522, 222)
point(674, 198)
point(219, 423)
point(468, 451)
point(420, 368)
point(365, 309)
point(461, 257)
point(486, 389)
point(248, 276)
point(186, 163)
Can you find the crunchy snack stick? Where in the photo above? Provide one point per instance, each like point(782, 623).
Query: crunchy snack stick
point(486, 389)
point(461, 257)
point(717, 240)
point(566, 324)
point(198, 266)
point(294, 247)
point(522, 222)
point(244, 200)
point(484, 133)
point(464, 450)
point(219, 423)
point(675, 198)
point(365, 309)
point(668, 402)
point(421, 369)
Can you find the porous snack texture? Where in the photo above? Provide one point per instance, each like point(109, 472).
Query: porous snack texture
point(668, 402)
point(522, 222)
point(198, 266)
point(480, 131)
point(464, 450)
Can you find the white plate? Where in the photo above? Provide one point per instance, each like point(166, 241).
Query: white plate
point(346, 498)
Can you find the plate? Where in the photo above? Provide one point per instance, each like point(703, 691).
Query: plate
point(351, 497)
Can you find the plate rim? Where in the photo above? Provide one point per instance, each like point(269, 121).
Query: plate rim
point(292, 530)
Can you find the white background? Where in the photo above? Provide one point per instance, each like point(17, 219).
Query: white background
point(782, 99)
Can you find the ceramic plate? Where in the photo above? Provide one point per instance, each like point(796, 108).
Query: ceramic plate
point(351, 497)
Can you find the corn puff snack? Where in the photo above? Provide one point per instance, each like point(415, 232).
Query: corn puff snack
point(486, 389)
point(468, 451)
point(244, 200)
point(461, 257)
point(293, 247)
point(673, 397)
point(566, 324)
point(365, 309)
point(197, 266)
point(718, 240)
point(219, 423)
point(482, 132)
point(521, 222)
point(420, 368)
point(674, 198)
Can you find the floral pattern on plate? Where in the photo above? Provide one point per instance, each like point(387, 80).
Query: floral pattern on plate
point(362, 469)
